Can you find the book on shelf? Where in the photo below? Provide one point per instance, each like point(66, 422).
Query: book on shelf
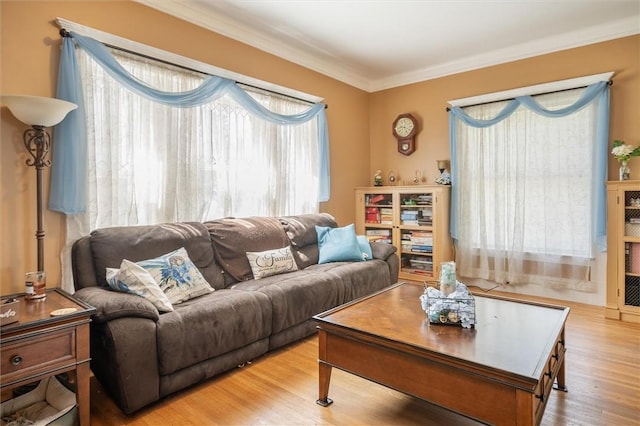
point(416, 234)
point(374, 199)
point(422, 241)
point(377, 232)
point(421, 249)
point(379, 239)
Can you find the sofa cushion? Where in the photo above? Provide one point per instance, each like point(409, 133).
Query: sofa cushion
point(338, 244)
point(111, 245)
point(271, 262)
point(296, 296)
point(134, 279)
point(301, 232)
point(177, 276)
point(232, 238)
point(209, 326)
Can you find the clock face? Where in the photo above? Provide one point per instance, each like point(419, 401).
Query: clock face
point(404, 127)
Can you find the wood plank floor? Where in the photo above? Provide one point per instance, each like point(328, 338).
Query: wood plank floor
point(280, 388)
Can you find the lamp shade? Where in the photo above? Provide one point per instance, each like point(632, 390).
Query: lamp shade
point(38, 110)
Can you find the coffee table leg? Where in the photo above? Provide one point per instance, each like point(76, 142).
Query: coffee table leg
point(560, 384)
point(323, 389)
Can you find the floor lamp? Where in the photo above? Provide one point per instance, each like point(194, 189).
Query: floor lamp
point(38, 112)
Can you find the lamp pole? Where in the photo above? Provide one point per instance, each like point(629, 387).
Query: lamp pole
point(38, 142)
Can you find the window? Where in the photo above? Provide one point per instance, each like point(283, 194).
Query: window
point(150, 163)
point(525, 202)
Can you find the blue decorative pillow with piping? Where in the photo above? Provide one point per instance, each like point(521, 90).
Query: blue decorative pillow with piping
point(338, 244)
point(365, 247)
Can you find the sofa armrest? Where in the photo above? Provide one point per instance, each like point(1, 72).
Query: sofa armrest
point(382, 250)
point(112, 304)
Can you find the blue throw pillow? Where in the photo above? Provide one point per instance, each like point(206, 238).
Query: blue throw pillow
point(365, 247)
point(338, 244)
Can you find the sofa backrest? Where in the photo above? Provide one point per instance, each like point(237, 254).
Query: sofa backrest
point(301, 231)
point(232, 238)
point(217, 247)
point(107, 247)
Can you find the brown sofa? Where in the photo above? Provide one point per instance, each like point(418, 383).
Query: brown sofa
point(141, 355)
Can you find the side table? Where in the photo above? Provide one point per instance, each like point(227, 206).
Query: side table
point(40, 345)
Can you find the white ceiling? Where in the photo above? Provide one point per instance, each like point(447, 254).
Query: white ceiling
point(379, 44)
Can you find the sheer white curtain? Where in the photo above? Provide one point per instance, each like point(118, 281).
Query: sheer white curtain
point(525, 196)
point(150, 163)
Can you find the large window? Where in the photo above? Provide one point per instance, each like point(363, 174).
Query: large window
point(150, 163)
point(526, 194)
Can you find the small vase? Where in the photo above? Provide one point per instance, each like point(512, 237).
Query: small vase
point(624, 171)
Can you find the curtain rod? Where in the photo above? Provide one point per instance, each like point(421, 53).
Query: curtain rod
point(65, 33)
point(610, 82)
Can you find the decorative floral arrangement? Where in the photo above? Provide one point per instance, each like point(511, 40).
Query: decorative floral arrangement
point(624, 152)
point(457, 308)
point(377, 178)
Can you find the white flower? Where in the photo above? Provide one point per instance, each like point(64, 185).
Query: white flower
point(622, 150)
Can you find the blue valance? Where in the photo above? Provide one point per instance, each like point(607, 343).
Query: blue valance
point(69, 171)
point(596, 92)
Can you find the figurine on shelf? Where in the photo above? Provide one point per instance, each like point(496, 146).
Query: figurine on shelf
point(445, 176)
point(392, 177)
point(377, 178)
point(416, 178)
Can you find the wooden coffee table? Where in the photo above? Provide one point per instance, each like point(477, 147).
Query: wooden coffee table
point(500, 372)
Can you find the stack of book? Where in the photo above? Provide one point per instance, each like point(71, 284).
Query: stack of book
point(378, 235)
point(409, 217)
point(372, 215)
point(417, 242)
point(421, 265)
point(425, 217)
point(377, 199)
point(386, 216)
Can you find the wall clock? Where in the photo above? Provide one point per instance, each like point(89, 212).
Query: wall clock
point(405, 127)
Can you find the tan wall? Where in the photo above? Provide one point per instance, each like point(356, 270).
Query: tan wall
point(427, 101)
point(359, 123)
point(30, 50)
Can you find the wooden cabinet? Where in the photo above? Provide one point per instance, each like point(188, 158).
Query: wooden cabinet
point(42, 344)
point(415, 219)
point(623, 250)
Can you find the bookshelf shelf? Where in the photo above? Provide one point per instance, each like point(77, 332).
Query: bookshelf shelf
point(623, 250)
point(415, 219)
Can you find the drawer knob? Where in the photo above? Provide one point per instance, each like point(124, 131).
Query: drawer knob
point(16, 360)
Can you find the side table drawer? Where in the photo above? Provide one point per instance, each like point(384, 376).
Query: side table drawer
point(38, 353)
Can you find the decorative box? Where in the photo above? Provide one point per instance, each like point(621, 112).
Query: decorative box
point(9, 311)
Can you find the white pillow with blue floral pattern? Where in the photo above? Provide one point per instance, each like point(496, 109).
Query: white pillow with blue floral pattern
point(134, 279)
point(178, 277)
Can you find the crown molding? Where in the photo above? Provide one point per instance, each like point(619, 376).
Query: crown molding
point(195, 14)
point(618, 29)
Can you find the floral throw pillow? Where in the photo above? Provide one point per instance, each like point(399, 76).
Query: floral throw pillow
point(271, 262)
point(178, 277)
point(133, 279)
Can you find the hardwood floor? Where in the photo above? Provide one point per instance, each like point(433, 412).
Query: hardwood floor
point(280, 388)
